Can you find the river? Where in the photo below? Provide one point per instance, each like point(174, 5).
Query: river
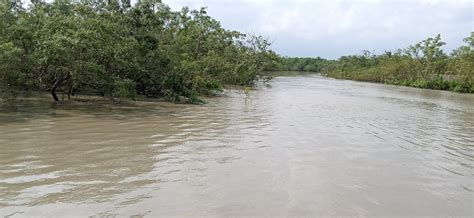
point(301, 146)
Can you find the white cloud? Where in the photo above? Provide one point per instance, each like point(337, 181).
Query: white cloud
point(333, 28)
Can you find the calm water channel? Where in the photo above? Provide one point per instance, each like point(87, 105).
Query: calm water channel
point(305, 146)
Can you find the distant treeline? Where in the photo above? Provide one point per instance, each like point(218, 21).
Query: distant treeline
point(423, 65)
point(302, 64)
point(118, 49)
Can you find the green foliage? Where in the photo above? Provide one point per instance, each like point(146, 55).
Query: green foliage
point(9, 79)
point(116, 49)
point(124, 89)
point(423, 65)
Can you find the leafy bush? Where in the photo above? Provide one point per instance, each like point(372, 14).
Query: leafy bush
point(124, 89)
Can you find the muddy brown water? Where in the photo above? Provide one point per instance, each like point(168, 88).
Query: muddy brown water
point(306, 146)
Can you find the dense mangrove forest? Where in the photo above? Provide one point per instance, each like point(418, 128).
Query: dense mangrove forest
point(118, 50)
point(423, 65)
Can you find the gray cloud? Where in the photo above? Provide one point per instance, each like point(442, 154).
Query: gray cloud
point(341, 27)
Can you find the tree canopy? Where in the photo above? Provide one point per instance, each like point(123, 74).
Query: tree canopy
point(116, 49)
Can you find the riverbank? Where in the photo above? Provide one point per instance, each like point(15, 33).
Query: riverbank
point(422, 65)
point(444, 82)
point(42, 100)
point(436, 82)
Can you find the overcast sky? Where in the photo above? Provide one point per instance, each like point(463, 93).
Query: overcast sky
point(340, 27)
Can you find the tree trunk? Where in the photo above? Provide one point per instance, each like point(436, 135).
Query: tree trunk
point(53, 93)
point(70, 90)
point(54, 86)
point(57, 82)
